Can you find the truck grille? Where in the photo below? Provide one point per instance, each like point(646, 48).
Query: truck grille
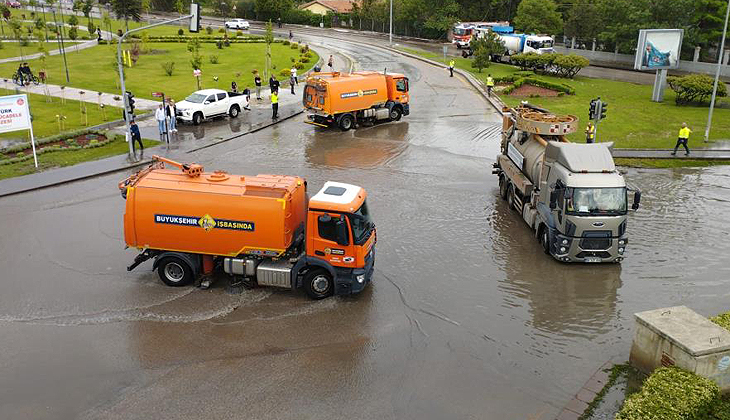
point(599, 239)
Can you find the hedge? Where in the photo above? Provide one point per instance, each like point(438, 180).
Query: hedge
point(671, 393)
point(519, 81)
point(722, 320)
point(557, 64)
point(694, 88)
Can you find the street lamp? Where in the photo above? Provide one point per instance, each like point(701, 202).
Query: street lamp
point(721, 54)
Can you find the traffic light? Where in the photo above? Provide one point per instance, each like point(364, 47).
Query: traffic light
point(604, 109)
point(195, 19)
point(592, 110)
point(129, 102)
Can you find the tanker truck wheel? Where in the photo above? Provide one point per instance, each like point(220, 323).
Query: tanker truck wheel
point(503, 184)
point(511, 197)
point(346, 122)
point(318, 284)
point(174, 272)
point(544, 241)
point(395, 113)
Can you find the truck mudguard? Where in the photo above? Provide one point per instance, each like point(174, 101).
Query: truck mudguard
point(192, 260)
point(315, 262)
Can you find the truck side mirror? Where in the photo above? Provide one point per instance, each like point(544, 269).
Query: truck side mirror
point(341, 229)
point(325, 218)
point(206, 103)
point(553, 199)
point(637, 200)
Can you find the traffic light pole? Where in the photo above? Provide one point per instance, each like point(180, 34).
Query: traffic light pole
point(120, 66)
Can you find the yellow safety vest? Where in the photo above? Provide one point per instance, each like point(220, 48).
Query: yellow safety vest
point(684, 133)
point(490, 82)
point(451, 63)
point(591, 131)
point(274, 98)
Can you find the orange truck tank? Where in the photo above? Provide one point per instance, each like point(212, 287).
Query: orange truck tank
point(258, 229)
point(345, 100)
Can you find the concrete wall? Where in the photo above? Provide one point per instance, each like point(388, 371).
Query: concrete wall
point(627, 61)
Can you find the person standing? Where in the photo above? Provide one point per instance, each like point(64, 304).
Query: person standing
point(590, 132)
point(136, 136)
point(274, 104)
point(331, 63)
point(490, 84)
point(98, 34)
point(452, 63)
point(234, 87)
point(171, 111)
point(684, 133)
point(291, 36)
point(161, 120)
point(273, 83)
point(257, 83)
point(292, 83)
point(278, 21)
point(294, 74)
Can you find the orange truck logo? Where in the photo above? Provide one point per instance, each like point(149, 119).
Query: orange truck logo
point(206, 222)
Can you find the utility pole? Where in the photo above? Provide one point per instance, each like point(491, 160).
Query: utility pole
point(390, 34)
point(60, 43)
point(717, 75)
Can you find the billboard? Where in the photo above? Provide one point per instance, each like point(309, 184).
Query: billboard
point(14, 114)
point(658, 49)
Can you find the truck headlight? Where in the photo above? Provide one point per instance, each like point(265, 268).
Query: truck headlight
point(621, 242)
point(562, 249)
point(565, 242)
point(620, 250)
point(360, 278)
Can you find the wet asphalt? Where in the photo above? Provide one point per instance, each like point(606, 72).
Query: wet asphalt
point(466, 318)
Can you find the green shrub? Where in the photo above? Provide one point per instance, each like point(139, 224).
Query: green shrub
point(72, 33)
point(221, 31)
point(208, 30)
point(569, 65)
point(308, 54)
point(304, 60)
point(169, 67)
point(24, 41)
point(213, 59)
point(671, 393)
point(558, 64)
point(239, 33)
point(285, 73)
point(180, 32)
point(298, 65)
point(286, 42)
point(91, 27)
point(294, 46)
point(694, 88)
point(722, 320)
point(73, 20)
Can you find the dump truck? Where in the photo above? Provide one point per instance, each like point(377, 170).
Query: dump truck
point(570, 194)
point(345, 100)
point(261, 230)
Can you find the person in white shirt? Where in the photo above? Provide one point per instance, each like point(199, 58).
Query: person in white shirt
point(171, 110)
point(161, 120)
point(294, 74)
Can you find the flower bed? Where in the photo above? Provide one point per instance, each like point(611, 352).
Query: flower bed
point(77, 140)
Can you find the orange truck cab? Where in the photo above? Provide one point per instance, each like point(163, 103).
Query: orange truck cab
point(258, 229)
point(345, 100)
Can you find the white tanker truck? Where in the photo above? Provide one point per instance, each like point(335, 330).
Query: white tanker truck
point(570, 194)
point(514, 43)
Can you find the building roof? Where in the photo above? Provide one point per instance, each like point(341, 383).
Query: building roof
point(339, 6)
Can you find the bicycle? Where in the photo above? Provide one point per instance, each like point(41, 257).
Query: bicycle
point(33, 78)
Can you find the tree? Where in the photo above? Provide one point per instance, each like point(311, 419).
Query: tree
point(269, 38)
point(481, 54)
point(622, 20)
point(127, 9)
point(271, 9)
point(538, 16)
point(86, 8)
point(582, 19)
point(196, 60)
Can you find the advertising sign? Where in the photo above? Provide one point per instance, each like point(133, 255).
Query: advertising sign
point(658, 49)
point(14, 113)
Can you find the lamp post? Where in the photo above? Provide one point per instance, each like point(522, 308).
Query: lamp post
point(717, 75)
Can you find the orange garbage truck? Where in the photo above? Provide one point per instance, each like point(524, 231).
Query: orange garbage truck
point(345, 100)
point(262, 229)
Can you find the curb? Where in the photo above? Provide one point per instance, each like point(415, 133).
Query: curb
point(578, 404)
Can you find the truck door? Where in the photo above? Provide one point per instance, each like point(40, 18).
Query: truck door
point(330, 238)
point(221, 104)
point(401, 90)
point(310, 97)
point(209, 106)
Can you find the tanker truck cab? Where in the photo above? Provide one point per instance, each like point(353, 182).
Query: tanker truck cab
point(341, 236)
point(260, 230)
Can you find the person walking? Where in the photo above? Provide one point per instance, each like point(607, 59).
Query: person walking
point(161, 120)
point(684, 133)
point(278, 21)
point(331, 63)
point(590, 132)
point(490, 84)
point(293, 72)
point(98, 34)
point(292, 83)
point(452, 63)
point(136, 136)
point(171, 112)
point(291, 36)
point(273, 83)
point(257, 82)
point(274, 104)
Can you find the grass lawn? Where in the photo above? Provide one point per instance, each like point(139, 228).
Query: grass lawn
point(44, 114)
point(94, 69)
point(67, 158)
point(13, 49)
point(633, 120)
point(669, 163)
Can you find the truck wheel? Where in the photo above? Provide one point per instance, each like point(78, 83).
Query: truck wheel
point(511, 197)
point(544, 241)
point(503, 184)
point(346, 122)
point(197, 118)
point(233, 112)
point(395, 113)
point(318, 284)
point(175, 272)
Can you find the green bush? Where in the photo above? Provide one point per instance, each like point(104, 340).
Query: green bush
point(168, 67)
point(569, 65)
point(221, 31)
point(694, 88)
point(722, 320)
point(91, 27)
point(73, 20)
point(239, 33)
point(519, 81)
point(286, 42)
point(72, 33)
point(304, 60)
point(208, 30)
point(213, 59)
point(294, 46)
point(557, 64)
point(180, 32)
point(285, 73)
point(671, 393)
point(298, 65)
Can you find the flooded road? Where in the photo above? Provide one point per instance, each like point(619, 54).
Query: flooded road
point(465, 318)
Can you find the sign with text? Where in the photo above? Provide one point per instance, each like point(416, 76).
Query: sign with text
point(658, 49)
point(14, 113)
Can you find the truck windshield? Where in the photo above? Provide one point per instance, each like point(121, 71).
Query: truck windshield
point(196, 98)
point(596, 200)
point(459, 31)
point(361, 223)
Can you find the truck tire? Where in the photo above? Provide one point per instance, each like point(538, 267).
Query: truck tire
point(511, 197)
point(503, 185)
point(318, 284)
point(544, 240)
point(346, 122)
point(395, 113)
point(233, 112)
point(197, 118)
point(175, 272)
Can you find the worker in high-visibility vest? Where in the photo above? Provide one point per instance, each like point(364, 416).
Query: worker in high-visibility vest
point(682, 139)
point(452, 63)
point(274, 104)
point(490, 84)
point(590, 132)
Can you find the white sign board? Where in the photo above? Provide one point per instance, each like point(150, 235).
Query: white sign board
point(14, 113)
point(658, 49)
point(15, 116)
point(515, 156)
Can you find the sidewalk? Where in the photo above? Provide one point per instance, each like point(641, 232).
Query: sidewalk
point(90, 96)
point(703, 154)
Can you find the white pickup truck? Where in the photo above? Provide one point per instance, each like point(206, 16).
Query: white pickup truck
point(208, 103)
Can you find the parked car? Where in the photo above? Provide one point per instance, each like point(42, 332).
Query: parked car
point(237, 24)
point(13, 4)
point(208, 103)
